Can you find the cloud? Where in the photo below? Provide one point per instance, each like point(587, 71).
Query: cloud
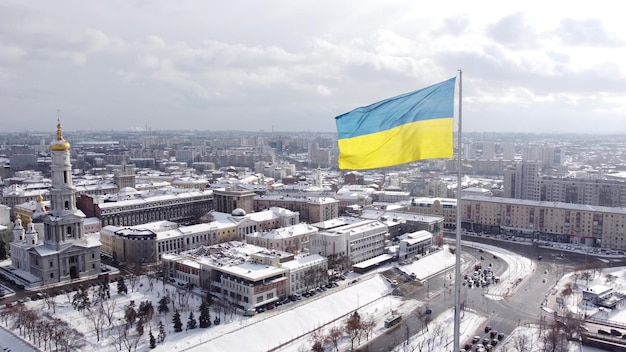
point(513, 31)
point(257, 64)
point(588, 32)
point(93, 41)
point(11, 53)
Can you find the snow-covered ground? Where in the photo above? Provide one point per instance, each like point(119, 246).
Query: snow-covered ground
point(288, 328)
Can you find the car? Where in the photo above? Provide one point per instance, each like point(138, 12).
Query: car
point(487, 328)
point(428, 311)
point(603, 332)
point(495, 257)
point(539, 257)
point(476, 339)
point(493, 334)
point(494, 342)
point(260, 310)
point(616, 332)
point(468, 346)
point(500, 336)
point(482, 258)
point(486, 341)
point(481, 251)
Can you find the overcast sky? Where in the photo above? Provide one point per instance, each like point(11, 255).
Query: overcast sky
point(295, 65)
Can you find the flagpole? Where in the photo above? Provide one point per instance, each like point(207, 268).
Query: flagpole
point(457, 281)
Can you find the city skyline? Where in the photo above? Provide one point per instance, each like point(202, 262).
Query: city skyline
point(274, 66)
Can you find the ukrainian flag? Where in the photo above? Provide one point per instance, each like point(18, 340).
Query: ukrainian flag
point(413, 126)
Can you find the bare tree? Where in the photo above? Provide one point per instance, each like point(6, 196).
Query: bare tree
point(98, 319)
point(430, 341)
point(597, 268)
point(585, 275)
point(108, 308)
point(439, 331)
point(334, 335)
point(368, 324)
point(127, 339)
point(151, 279)
point(521, 342)
point(121, 332)
point(74, 340)
point(353, 328)
point(554, 339)
point(567, 290)
point(49, 300)
point(68, 294)
point(133, 279)
point(317, 340)
point(419, 345)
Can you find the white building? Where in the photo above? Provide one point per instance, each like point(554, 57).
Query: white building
point(62, 252)
point(358, 241)
point(414, 244)
point(306, 273)
point(292, 239)
point(147, 243)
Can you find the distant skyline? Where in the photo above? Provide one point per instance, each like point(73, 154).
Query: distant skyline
point(532, 67)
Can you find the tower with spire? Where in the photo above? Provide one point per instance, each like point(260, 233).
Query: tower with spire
point(62, 252)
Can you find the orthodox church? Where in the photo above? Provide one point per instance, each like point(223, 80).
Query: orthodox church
point(53, 247)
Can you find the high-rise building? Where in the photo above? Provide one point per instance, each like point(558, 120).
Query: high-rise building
point(521, 180)
point(489, 151)
point(508, 151)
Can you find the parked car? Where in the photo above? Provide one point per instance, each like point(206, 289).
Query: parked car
point(500, 336)
point(476, 339)
point(487, 328)
point(615, 332)
point(603, 332)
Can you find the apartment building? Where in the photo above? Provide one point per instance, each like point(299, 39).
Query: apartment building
point(358, 241)
point(246, 275)
point(552, 221)
point(147, 243)
point(311, 209)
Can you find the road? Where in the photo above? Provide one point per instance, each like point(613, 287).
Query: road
point(521, 305)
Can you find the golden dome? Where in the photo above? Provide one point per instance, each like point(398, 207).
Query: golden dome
point(40, 199)
point(60, 144)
